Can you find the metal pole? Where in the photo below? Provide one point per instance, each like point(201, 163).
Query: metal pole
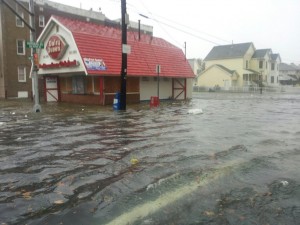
point(36, 107)
point(124, 57)
point(158, 81)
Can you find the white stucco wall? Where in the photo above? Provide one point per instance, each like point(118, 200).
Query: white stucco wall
point(149, 88)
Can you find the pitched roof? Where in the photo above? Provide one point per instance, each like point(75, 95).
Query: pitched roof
point(103, 42)
point(228, 51)
point(260, 53)
point(274, 56)
point(287, 67)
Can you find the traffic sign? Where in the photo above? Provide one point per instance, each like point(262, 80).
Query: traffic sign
point(31, 44)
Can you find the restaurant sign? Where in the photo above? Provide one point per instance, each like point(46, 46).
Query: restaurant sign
point(94, 64)
point(56, 47)
point(60, 64)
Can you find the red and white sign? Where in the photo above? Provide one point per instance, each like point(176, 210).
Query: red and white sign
point(56, 47)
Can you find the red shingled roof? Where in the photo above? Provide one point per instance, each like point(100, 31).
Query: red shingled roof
point(103, 42)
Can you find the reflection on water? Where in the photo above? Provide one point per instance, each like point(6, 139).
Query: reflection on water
point(236, 162)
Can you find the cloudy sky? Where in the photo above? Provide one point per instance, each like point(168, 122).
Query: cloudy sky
point(203, 24)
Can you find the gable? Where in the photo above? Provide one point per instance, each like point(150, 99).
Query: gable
point(58, 40)
point(220, 69)
point(262, 54)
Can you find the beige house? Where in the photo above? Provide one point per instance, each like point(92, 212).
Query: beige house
point(239, 67)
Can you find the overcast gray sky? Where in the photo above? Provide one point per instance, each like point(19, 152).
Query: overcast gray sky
point(203, 24)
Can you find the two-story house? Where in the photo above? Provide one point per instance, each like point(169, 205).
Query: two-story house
point(228, 67)
point(238, 67)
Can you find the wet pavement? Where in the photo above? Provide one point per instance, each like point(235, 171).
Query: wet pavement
point(217, 159)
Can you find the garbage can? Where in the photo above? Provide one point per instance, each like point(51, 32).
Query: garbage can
point(154, 101)
point(117, 101)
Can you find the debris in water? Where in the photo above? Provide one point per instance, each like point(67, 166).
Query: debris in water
point(284, 183)
point(195, 111)
point(59, 202)
point(26, 195)
point(209, 213)
point(134, 161)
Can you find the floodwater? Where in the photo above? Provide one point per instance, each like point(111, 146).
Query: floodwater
point(217, 159)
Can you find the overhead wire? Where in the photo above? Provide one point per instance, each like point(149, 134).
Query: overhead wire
point(163, 25)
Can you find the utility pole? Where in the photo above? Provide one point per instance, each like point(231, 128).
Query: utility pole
point(36, 107)
point(125, 21)
point(185, 50)
point(158, 69)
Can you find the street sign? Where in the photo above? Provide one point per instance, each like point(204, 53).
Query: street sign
point(30, 44)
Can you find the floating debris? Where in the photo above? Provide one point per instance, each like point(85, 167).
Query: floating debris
point(195, 111)
point(284, 183)
point(134, 161)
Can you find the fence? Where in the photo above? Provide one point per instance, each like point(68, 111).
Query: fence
point(287, 89)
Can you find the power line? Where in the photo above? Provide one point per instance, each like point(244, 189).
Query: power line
point(162, 25)
point(193, 29)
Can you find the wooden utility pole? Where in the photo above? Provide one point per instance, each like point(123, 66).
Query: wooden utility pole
point(124, 56)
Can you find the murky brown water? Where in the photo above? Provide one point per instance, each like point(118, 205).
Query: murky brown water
point(235, 163)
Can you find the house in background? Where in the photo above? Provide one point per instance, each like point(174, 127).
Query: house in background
point(289, 74)
point(238, 67)
point(197, 67)
point(267, 64)
point(273, 78)
point(228, 67)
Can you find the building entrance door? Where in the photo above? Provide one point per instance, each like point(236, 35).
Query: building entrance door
point(51, 89)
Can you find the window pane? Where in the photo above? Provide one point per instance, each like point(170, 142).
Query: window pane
point(22, 74)
point(19, 22)
point(272, 66)
point(260, 64)
point(20, 47)
point(78, 85)
point(41, 21)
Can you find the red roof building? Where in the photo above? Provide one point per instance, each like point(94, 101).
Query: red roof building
point(81, 62)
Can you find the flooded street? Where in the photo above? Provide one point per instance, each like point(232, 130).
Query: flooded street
point(236, 162)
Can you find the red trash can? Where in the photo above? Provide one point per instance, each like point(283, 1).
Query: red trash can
point(154, 101)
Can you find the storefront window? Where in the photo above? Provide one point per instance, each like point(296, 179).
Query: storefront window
point(78, 85)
